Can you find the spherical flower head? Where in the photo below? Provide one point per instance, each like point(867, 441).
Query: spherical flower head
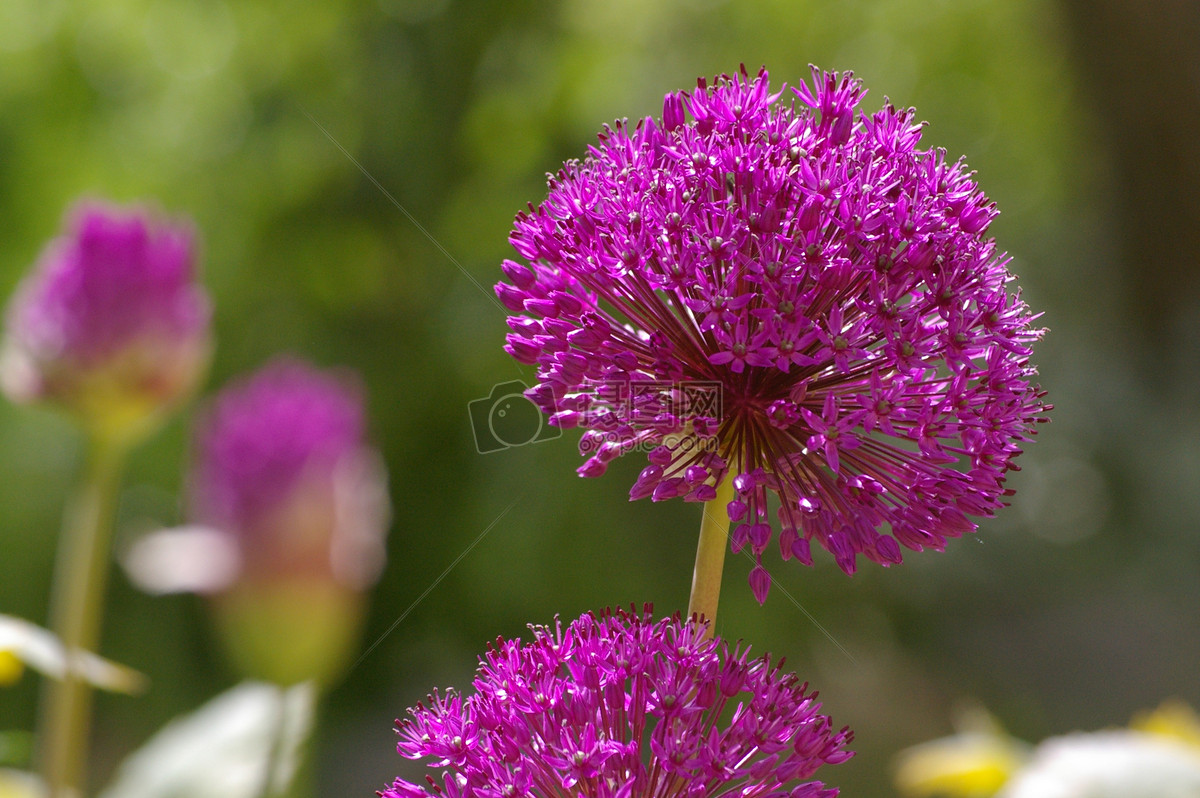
point(112, 324)
point(787, 292)
point(618, 705)
point(284, 475)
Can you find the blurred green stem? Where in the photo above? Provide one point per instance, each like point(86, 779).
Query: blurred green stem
point(76, 605)
point(710, 556)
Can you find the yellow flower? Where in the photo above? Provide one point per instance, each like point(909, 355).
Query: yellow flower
point(1158, 756)
point(1174, 719)
point(11, 668)
point(975, 763)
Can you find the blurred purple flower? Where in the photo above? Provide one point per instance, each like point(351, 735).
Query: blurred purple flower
point(112, 323)
point(282, 465)
point(289, 510)
point(788, 294)
point(617, 705)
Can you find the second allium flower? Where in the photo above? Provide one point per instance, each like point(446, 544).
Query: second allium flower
point(805, 264)
point(620, 706)
point(289, 513)
point(284, 470)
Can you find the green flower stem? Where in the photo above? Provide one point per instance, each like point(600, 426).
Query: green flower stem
point(80, 576)
point(710, 556)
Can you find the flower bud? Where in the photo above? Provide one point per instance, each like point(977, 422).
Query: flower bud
point(111, 325)
point(289, 511)
point(283, 470)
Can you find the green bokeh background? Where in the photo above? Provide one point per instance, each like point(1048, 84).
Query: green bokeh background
point(1076, 607)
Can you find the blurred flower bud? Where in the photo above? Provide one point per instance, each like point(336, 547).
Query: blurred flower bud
point(111, 325)
point(290, 511)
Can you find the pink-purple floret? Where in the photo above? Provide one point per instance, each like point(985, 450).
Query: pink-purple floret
point(836, 281)
point(263, 434)
point(619, 706)
point(115, 276)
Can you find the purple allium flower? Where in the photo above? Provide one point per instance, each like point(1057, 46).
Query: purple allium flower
point(281, 464)
point(289, 512)
point(112, 323)
point(618, 705)
point(805, 265)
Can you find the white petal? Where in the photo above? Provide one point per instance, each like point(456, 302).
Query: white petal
point(1109, 764)
point(41, 650)
point(186, 559)
point(358, 551)
point(18, 784)
point(221, 750)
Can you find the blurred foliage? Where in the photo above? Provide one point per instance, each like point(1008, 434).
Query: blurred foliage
point(1076, 606)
